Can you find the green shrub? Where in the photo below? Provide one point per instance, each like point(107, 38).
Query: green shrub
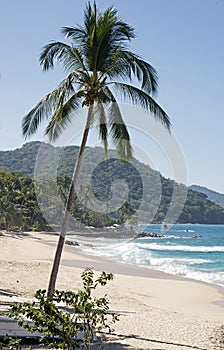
point(11, 343)
point(61, 318)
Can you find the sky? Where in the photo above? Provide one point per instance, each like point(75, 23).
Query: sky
point(182, 39)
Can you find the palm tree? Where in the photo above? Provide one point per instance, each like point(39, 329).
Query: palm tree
point(97, 62)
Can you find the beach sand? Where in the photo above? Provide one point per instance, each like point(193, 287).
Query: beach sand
point(157, 311)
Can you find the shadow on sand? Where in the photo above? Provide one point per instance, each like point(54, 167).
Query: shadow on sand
point(116, 345)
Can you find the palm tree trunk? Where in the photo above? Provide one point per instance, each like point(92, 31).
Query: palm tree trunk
point(64, 227)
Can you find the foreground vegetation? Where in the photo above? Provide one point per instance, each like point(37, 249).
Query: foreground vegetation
point(68, 316)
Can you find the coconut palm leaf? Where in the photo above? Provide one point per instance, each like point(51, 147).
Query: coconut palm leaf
point(41, 111)
point(75, 61)
point(55, 50)
point(110, 32)
point(102, 125)
point(46, 107)
point(125, 64)
point(69, 56)
point(140, 98)
point(117, 128)
point(119, 133)
point(62, 116)
point(76, 33)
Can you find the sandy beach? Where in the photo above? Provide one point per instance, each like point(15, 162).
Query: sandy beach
point(157, 311)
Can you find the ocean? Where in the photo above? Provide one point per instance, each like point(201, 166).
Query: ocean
point(193, 251)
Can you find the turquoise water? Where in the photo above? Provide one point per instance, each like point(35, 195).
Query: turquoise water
point(195, 251)
point(177, 252)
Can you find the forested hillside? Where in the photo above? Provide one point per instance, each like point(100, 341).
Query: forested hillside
point(144, 194)
point(18, 204)
point(213, 196)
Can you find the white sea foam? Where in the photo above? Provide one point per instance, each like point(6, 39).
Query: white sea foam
point(154, 246)
point(131, 254)
point(158, 255)
point(187, 271)
point(161, 261)
point(163, 237)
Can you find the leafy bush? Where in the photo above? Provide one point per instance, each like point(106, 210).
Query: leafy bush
point(77, 312)
point(11, 343)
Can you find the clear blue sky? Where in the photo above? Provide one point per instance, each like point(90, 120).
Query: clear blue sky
point(182, 39)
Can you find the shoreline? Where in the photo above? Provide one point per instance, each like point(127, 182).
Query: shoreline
point(81, 259)
point(154, 307)
point(129, 268)
point(125, 269)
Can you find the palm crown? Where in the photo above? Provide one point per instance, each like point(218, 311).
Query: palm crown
point(97, 61)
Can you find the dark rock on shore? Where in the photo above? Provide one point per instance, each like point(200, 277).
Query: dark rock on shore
point(73, 243)
point(149, 234)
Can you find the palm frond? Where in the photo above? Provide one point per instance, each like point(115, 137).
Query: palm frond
point(55, 50)
point(76, 33)
point(90, 18)
point(46, 107)
point(120, 30)
point(119, 133)
point(71, 105)
point(117, 67)
point(103, 96)
point(123, 31)
point(102, 126)
point(110, 33)
point(54, 127)
point(69, 56)
point(41, 111)
point(117, 128)
point(74, 61)
point(127, 65)
point(62, 116)
point(79, 60)
point(144, 72)
point(149, 76)
point(140, 98)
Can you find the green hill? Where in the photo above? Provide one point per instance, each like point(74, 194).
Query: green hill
point(213, 196)
point(125, 190)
